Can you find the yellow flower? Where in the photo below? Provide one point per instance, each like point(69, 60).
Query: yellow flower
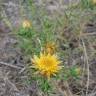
point(26, 24)
point(47, 64)
point(50, 48)
point(94, 1)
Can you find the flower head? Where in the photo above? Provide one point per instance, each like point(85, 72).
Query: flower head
point(47, 64)
point(78, 71)
point(50, 48)
point(94, 1)
point(26, 24)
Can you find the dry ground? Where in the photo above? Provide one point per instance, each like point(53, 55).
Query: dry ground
point(13, 61)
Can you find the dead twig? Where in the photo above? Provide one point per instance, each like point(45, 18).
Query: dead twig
point(10, 65)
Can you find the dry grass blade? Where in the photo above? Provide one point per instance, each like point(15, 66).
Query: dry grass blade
point(86, 57)
point(89, 34)
point(9, 83)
